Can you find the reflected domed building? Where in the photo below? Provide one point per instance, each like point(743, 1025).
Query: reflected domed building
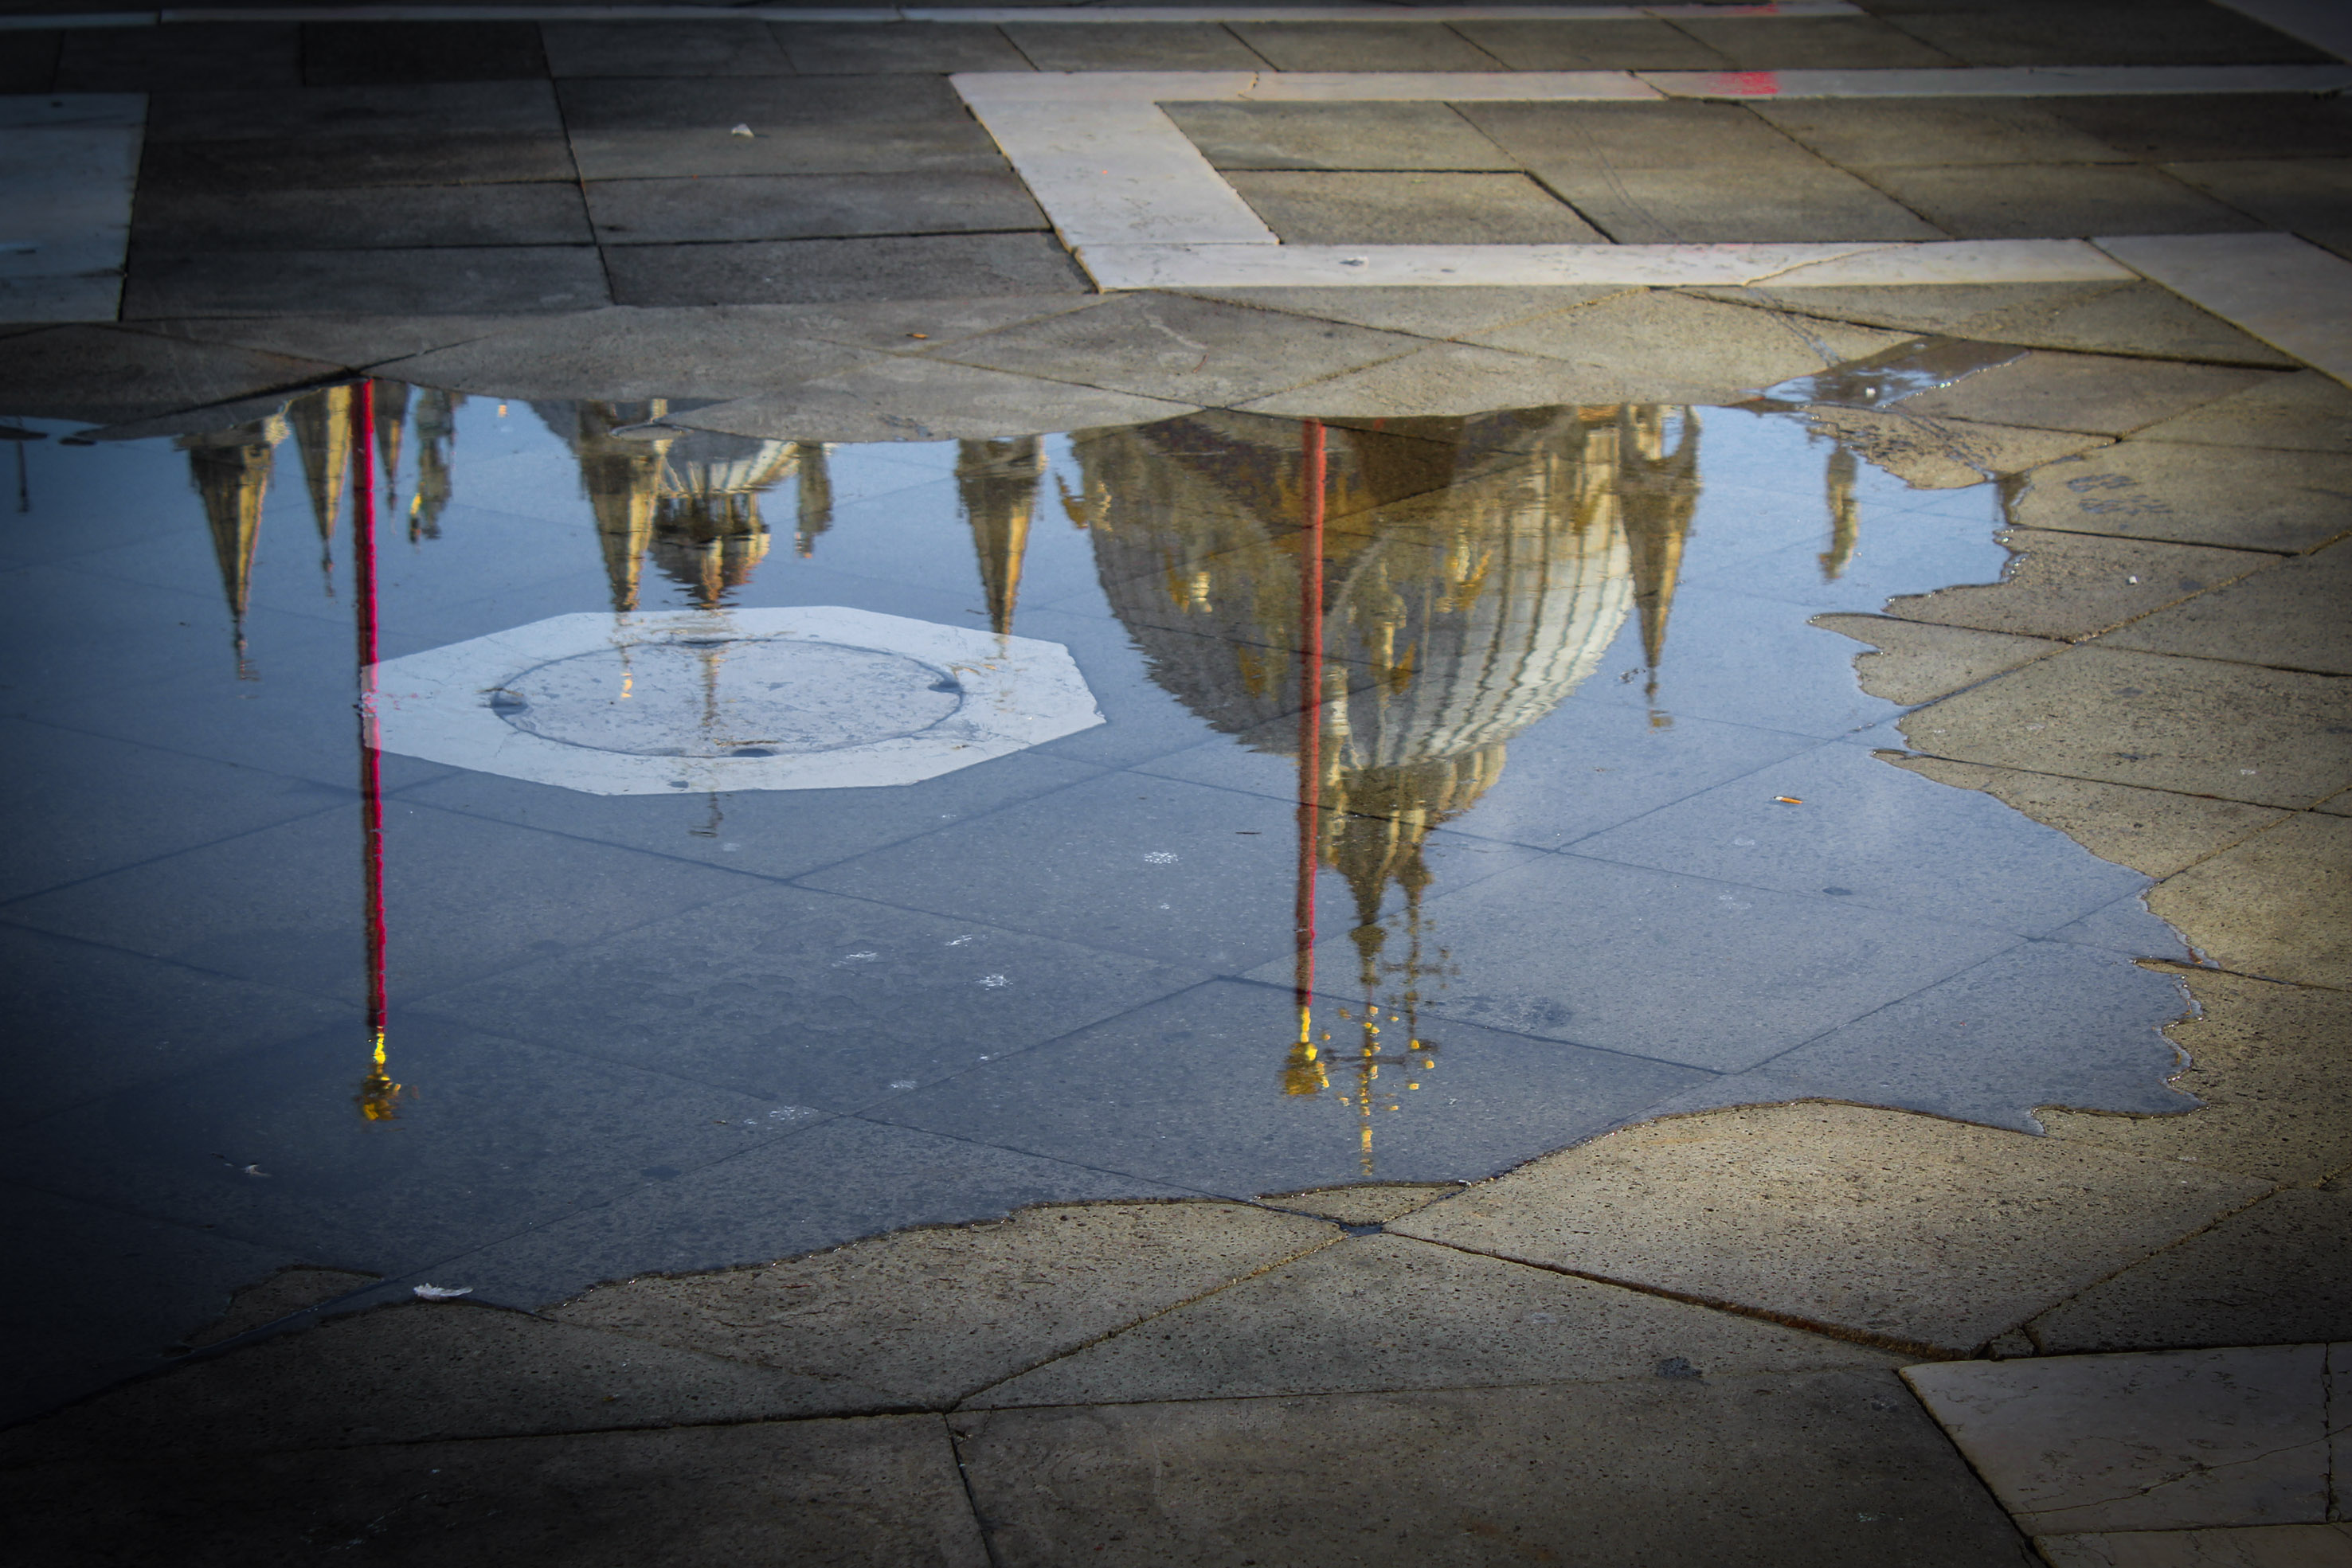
point(1464, 576)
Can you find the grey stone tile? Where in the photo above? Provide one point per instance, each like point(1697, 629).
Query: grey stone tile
point(349, 54)
point(1363, 47)
point(2100, 394)
point(809, 206)
point(140, 1284)
point(889, 397)
point(1038, 1285)
point(853, 48)
point(2251, 500)
point(31, 63)
point(2048, 201)
point(1820, 1469)
point(1174, 346)
point(100, 375)
point(1873, 133)
point(422, 1372)
point(698, 49)
point(1209, 1090)
point(2279, 905)
point(1917, 662)
point(2233, 731)
point(388, 282)
point(905, 323)
point(2291, 617)
point(2220, 127)
point(1815, 43)
point(512, 109)
point(1318, 208)
point(2138, 319)
point(179, 221)
point(1715, 975)
point(350, 341)
point(881, 1489)
point(163, 60)
point(1362, 1204)
point(2306, 412)
point(284, 1297)
point(2312, 197)
point(1137, 46)
point(2289, 1545)
point(918, 267)
point(1336, 136)
point(2104, 35)
point(766, 104)
point(2071, 586)
point(626, 354)
point(1878, 836)
point(2164, 1441)
point(1333, 1322)
point(2274, 1273)
point(1670, 348)
point(2153, 832)
point(1646, 43)
point(1902, 1229)
point(240, 168)
point(1422, 312)
point(834, 1183)
point(812, 998)
point(856, 147)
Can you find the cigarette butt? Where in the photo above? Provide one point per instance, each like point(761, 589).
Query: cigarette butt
point(1787, 799)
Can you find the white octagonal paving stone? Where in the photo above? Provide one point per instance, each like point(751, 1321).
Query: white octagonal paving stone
point(825, 698)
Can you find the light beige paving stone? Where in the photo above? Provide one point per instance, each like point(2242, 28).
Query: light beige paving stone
point(1917, 663)
point(2131, 318)
point(420, 1373)
point(628, 353)
point(2168, 1440)
point(1461, 378)
point(2236, 732)
point(1943, 454)
point(1358, 1205)
point(882, 1491)
point(1385, 1312)
point(284, 1293)
point(1896, 1229)
point(2272, 1062)
point(2256, 499)
point(2154, 831)
point(2260, 1546)
point(2306, 412)
point(2278, 1272)
point(899, 397)
point(1670, 339)
point(353, 341)
point(105, 375)
point(1306, 206)
point(2071, 586)
point(2103, 394)
point(2278, 906)
point(1833, 1469)
point(1424, 312)
point(936, 1314)
point(2295, 616)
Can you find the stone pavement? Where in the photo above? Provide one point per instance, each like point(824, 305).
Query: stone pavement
point(1773, 1325)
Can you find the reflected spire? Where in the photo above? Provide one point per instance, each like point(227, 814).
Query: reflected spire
point(437, 434)
point(1845, 512)
point(391, 415)
point(1658, 490)
point(998, 483)
point(321, 421)
point(813, 496)
point(231, 470)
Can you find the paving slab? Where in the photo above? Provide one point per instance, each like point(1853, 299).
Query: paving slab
point(2110, 34)
point(767, 104)
point(852, 48)
point(513, 109)
point(423, 1373)
point(284, 1294)
point(876, 147)
point(2306, 412)
point(1792, 202)
point(1893, 133)
point(1831, 1468)
point(1880, 1226)
point(626, 354)
point(696, 50)
point(898, 397)
point(2278, 904)
point(1917, 663)
point(235, 169)
point(1137, 46)
point(2292, 617)
point(2256, 499)
point(809, 206)
point(1812, 43)
point(32, 60)
point(1339, 136)
point(2228, 127)
point(178, 222)
point(775, 272)
point(337, 54)
point(104, 375)
point(1670, 348)
point(1646, 43)
point(1943, 454)
point(2134, 319)
point(933, 1315)
point(1363, 47)
point(1387, 1312)
point(354, 341)
point(2100, 394)
point(159, 59)
point(392, 282)
point(2236, 731)
point(1439, 313)
point(1313, 207)
point(1464, 379)
point(2311, 196)
point(2279, 1273)
point(2253, 1546)
point(1367, 1204)
point(2071, 586)
point(2154, 831)
point(880, 1490)
point(2169, 1441)
point(2037, 201)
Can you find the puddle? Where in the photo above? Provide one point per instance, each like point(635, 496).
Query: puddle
point(1392, 802)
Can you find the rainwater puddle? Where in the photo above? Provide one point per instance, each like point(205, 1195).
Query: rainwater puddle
point(1229, 805)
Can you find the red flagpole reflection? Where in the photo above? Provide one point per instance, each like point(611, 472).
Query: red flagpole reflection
point(1303, 1074)
point(378, 1094)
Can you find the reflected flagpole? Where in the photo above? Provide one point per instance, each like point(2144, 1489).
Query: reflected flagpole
point(378, 1093)
point(1304, 1075)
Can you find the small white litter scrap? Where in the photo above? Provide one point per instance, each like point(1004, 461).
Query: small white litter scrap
point(740, 131)
point(442, 1292)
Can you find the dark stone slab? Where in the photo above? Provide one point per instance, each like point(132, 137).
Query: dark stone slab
point(819, 271)
point(2166, 128)
point(353, 54)
point(2057, 202)
point(1811, 43)
point(1336, 136)
point(506, 109)
point(876, 147)
point(1597, 45)
point(105, 375)
point(484, 278)
point(1866, 133)
point(345, 163)
point(853, 49)
point(1363, 47)
point(764, 104)
point(696, 50)
point(177, 57)
point(2310, 196)
point(1139, 46)
point(29, 63)
point(2105, 34)
point(1314, 207)
point(179, 221)
point(809, 206)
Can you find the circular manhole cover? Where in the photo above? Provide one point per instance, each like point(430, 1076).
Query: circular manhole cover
point(728, 697)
